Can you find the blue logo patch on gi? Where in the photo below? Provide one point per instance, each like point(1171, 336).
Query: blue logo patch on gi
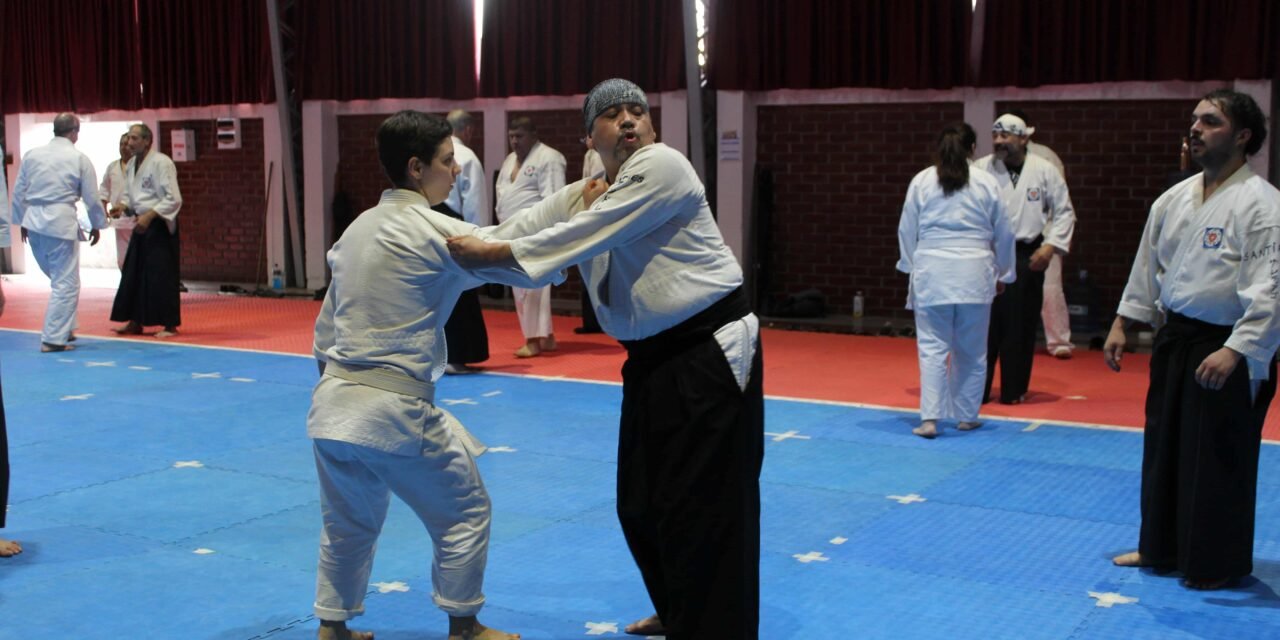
point(1033, 195)
point(1213, 237)
point(148, 183)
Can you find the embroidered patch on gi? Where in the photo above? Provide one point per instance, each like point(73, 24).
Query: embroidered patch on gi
point(148, 183)
point(528, 171)
point(1033, 195)
point(1213, 237)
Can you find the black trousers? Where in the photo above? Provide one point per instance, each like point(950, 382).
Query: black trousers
point(4, 463)
point(1011, 337)
point(689, 457)
point(148, 291)
point(1200, 457)
point(464, 332)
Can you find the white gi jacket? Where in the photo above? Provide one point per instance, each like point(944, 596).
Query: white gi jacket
point(112, 191)
point(954, 247)
point(1216, 261)
point(154, 186)
point(6, 235)
point(541, 175)
point(1039, 204)
point(50, 181)
point(470, 194)
point(394, 285)
point(649, 249)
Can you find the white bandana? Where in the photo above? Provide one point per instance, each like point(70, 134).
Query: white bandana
point(1010, 123)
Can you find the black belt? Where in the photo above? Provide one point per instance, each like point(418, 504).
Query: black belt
point(701, 326)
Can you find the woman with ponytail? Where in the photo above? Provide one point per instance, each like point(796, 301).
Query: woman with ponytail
point(957, 245)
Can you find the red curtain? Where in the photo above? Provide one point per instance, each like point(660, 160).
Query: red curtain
point(67, 55)
point(195, 52)
point(373, 49)
point(1029, 43)
point(817, 44)
point(565, 47)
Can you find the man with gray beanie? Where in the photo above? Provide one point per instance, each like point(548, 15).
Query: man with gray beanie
point(663, 283)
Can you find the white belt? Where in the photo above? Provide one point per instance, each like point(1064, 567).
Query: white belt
point(953, 243)
point(384, 379)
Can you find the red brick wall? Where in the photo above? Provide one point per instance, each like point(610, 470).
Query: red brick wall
point(223, 216)
point(840, 174)
point(1119, 156)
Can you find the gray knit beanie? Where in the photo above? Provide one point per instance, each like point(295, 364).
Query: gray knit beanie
point(611, 92)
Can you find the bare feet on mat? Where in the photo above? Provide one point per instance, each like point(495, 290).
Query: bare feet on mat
point(1206, 584)
point(1131, 559)
point(167, 332)
point(1062, 353)
point(45, 347)
point(969, 425)
point(131, 329)
point(468, 628)
point(9, 548)
point(650, 626)
point(530, 349)
point(549, 343)
point(339, 631)
point(927, 429)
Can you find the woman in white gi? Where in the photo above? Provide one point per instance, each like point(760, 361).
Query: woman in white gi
point(957, 245)
point(374, 424)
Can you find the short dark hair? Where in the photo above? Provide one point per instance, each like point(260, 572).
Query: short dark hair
point(522, 122)
point(146, 131)
point(1243, 113)
point(409, 134)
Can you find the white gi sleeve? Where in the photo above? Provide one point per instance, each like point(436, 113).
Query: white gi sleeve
point(171, 198)
point(1257, 333)
point(1062, 221)
point(89, 193)
point(475, 200)
point(650, 190)
point(20, 187)
point(909, 227)
point(1138, 302)
point(1003, 240)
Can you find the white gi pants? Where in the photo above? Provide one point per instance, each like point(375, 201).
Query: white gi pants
point(60, 260)
point(952, 389)
point(442, 487)
point(533, 308)
point(1053, 311)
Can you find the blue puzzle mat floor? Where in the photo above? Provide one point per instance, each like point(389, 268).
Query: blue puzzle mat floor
point(169, 491)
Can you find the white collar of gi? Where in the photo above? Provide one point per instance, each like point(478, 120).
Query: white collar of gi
point(404, 197)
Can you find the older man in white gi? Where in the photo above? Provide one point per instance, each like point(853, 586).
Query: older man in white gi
point(1208, 266)
point(663, 283)
point(111, 193)
point(375, 427)
point(1043, 221)
point(50, 181)
point(148, 294)
point(531, 173)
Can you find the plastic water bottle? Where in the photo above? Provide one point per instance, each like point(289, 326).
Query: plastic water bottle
point(277, 278)
point(858, 306)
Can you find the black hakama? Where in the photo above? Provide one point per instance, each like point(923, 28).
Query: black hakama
point(465, 335)
point(148, 293)
point(1011, 338)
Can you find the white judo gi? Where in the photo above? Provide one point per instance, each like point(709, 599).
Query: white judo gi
point(154, 186)
point(1053, 311)
point(112, 192)
point(469, 197)
point(1215, 261)
point(541, 174)
point(50, 180)
point(954, 248)
point(373, 420)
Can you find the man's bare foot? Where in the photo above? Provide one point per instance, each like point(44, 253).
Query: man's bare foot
point(9, 548)
point(1206, 584)
point(131, 329)
point(1131, 559)
point(45, 347)
point(549, 343)
point(529, 350)
point(651, 626)
point(468, 628)
point(331, 630)
point(969, 425)
point(927, 429)
point(166, 333)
